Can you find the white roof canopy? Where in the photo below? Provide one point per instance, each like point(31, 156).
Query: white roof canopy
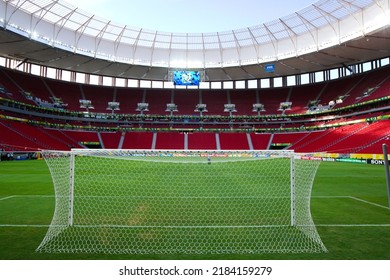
point(322, 25)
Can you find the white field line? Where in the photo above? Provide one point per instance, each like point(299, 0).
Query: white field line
point(280, 226)
point(352, 225)
point(7, 197)
point(26, 196)
point(33, 195)
point(354, 198)
point(12, 225)
point(17, 196)
point(365, 201)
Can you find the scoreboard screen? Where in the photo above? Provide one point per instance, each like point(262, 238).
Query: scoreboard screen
point(186, 78)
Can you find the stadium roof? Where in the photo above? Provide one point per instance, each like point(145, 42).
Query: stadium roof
point(327, 34)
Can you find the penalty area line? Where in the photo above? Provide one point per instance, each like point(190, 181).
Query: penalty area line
point(354, 198)
point(26, 196)
point(371, 203)
point(13, 225)
point(352, 225)
point(7, 197)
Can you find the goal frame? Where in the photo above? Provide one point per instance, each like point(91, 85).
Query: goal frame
point(295, 222)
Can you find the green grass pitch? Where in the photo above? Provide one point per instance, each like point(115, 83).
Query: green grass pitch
point(349, 207)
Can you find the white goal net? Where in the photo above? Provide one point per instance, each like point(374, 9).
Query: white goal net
point(181, 202)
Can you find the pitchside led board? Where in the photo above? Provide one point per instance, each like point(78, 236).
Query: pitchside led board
point(186, 78)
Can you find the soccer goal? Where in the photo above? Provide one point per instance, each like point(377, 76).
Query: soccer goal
point(181, 202)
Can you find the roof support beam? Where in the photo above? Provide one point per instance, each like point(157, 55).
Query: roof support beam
point(238, 47)
point(220, 49)
point(118, 40)
point(358, 17)
point(255, 43)
point(290, 32)
point(136, 44)
point(204, 52)
point(61, 23)
point(328, 15)
point(152, 49)
point(311, 28)
point(81, 30)
point(17, 6)
point(273, 39)
point(99, 37)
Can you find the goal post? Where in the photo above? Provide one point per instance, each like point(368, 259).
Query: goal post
point(292, 190)
point(71, 188)
point(188, 202)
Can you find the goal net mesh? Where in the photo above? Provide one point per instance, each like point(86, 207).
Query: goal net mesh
point(156, 202)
